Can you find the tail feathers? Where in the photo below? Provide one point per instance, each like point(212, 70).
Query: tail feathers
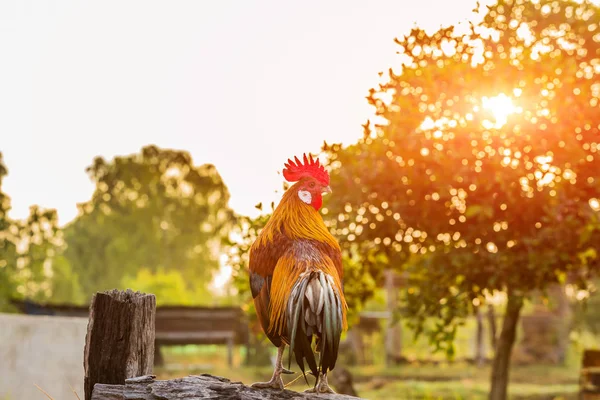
point(299, 340)
point(314, 308)
point(332, 321)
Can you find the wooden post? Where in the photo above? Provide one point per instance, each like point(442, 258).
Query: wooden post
point(492, 322)
point(589, 378)
point(565, 314)
point(120, 338)
point(354, 336)
point(159, 360)
point(479, 347)
point(230, 351)
point(393, 332)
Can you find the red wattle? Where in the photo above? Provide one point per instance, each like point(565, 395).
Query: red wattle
point(317, 201)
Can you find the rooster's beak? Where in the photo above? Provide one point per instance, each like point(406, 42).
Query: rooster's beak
point(326, 190)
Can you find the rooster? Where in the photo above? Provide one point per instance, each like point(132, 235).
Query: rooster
point(296, 278)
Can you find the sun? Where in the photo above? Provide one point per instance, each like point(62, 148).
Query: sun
point(501, 106)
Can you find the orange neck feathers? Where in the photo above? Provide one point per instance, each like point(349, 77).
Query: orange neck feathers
point(301, 221)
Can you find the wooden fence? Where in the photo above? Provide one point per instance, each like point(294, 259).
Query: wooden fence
point(174, 325)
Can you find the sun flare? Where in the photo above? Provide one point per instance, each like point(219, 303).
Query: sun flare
point(501, 106)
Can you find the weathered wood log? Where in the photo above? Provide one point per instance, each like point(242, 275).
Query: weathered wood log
point(194, 387)
point(120, 339)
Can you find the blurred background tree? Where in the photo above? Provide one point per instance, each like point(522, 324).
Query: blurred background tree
point(154, 220)
point(484, 161)
point(169, 287)
point(27, 250)
point(7, 247)
point(38, 239)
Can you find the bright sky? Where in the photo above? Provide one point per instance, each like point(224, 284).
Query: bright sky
point(240, 84)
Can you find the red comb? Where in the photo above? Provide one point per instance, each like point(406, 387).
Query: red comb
point(294, 171)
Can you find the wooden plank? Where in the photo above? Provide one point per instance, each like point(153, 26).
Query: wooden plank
point(194, 336)
point(195, 314)
point(120, 339)
point(230, 352)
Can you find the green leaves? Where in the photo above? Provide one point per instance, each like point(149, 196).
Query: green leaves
point(169, 287)
point(478, 210)
point(27, 250)
point(153, 211)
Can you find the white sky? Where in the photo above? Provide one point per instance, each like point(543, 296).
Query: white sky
point(240, 84)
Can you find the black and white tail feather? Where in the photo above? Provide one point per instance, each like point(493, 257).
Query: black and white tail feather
point(314, 309)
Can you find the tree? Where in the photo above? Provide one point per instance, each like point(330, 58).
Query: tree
point(155, 211)
point(169, 287)
point(38, 239)
point(65, 286)
point(7, 247)
point(27, 249)
point(482, 173)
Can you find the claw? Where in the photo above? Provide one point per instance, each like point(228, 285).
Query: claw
point(275, 383)
point(287, 371)
point(325, 389)
point(321, 389)
point(321, 386)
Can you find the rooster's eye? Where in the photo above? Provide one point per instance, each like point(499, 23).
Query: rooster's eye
point(312, 184)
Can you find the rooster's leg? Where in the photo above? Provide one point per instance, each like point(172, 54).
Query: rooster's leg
point(276, 382)
point(321, 386)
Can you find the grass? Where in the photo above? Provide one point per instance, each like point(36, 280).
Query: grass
point(50, 397)
point(444, 381)
point(464, 389)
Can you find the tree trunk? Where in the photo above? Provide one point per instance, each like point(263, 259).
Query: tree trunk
point(479, 348)
point(492, 322)
point(120, 339)
point(501, 364)
point(393, 332)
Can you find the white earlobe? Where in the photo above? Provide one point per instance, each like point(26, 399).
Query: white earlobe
point(305, 196)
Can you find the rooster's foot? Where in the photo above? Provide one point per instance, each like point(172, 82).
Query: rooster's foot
point(321, 387)
point(274, 383)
